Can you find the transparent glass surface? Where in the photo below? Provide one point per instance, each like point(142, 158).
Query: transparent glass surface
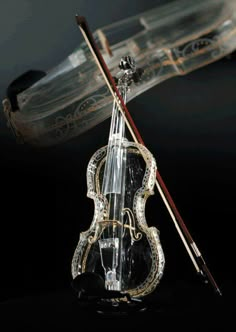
point(125, 252)
point(169, 40)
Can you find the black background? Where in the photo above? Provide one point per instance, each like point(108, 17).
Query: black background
point(188, 123)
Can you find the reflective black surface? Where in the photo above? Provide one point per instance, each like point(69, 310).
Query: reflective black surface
point(188, 123)
point(180, 304)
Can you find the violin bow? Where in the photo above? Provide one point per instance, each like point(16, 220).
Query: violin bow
point(190, 245)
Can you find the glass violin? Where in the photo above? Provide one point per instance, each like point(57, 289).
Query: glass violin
point(119, 246)
point(169, 40)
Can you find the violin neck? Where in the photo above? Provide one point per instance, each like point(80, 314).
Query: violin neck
point(114, 173)
point(117, 127)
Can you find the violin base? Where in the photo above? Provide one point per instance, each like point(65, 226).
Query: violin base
point(112, 308)
point(121, 308)
point(92, 295)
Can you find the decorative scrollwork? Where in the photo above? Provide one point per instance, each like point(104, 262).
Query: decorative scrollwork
point(135, 236)
point(65, 125)
point(208, 43)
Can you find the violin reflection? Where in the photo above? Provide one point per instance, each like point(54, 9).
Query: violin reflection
point(169, 40)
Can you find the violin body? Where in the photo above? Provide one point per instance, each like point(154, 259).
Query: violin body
point(121, 247)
